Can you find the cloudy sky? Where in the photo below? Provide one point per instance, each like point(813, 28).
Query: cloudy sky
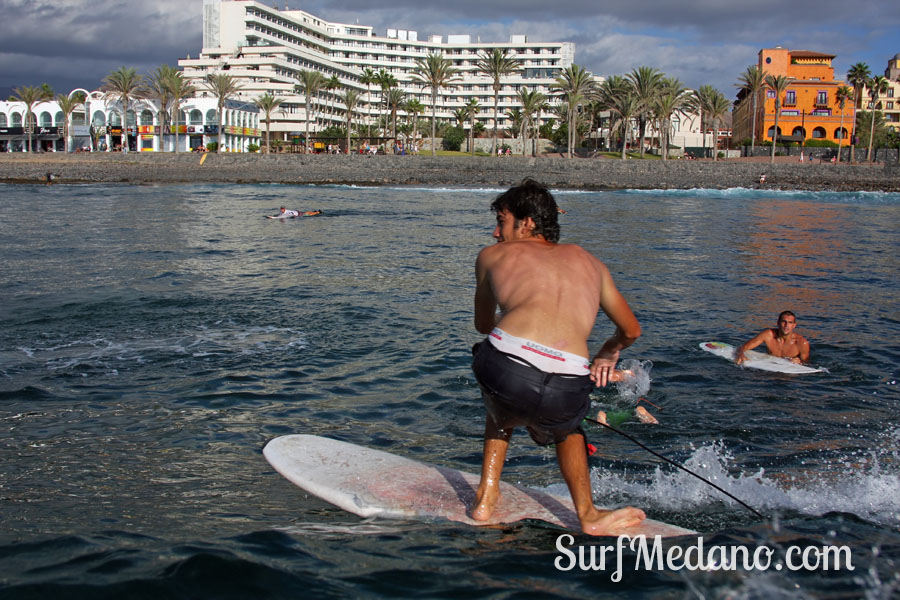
point(75, 43)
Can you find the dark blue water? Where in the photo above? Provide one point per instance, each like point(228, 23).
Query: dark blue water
point(153, 338)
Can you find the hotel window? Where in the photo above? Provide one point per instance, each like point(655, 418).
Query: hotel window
point(890, 105)
point(770, 93)
point(821, 98)
point(790, 98)
point(890, 93)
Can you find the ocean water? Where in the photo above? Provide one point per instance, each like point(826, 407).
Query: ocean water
point(154, 338)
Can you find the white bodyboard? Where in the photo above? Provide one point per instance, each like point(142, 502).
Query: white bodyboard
point(374, 483)
point(758, 360)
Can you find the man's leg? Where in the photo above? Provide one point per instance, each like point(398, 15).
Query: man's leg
point(572, 458)
point(496, 442)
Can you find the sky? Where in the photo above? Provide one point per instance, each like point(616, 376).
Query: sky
point(72, 44)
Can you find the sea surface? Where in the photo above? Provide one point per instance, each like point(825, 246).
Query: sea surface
point(154, 338)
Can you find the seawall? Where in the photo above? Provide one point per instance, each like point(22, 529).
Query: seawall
point(556, 172)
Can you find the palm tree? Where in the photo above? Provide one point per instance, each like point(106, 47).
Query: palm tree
point(472, 109)
point(125, 85)
point(350, 98)
point(310, 84)
point(414, 108)
point(717, 109)
point(647, 82)
point(436, 72)
point(778, 84)
point(267, 103)
point(180, 89)
point(330, 85)
point(367, 78)
point(674, 98)
point(222, 87)
point(495, 64)
point(576, 84)
point(703, 99)
point(387, 82)
point(158, 89)
point(617, 95)
point(857, 76)
point(843, 94)
point(752, 81)
point(68, 104)
point(877, 86)
point(396, 98)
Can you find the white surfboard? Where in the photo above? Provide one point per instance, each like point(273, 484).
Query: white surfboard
point(374, 483)
point(758, 360)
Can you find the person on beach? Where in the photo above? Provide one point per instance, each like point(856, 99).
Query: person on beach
point(781, 341)
point(533, 367)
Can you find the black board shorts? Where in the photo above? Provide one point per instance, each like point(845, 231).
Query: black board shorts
point(549, 405)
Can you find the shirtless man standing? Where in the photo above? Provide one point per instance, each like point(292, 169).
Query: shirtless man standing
point(533, 367)
point(780, 341)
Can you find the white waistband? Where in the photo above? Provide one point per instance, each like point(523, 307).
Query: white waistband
point(548, 360)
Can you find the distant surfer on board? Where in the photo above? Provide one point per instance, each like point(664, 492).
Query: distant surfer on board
point(780, 341)
point(533, 367)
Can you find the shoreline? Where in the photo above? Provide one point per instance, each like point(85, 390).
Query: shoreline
point(555, 172)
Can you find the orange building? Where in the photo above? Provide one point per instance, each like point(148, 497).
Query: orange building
point(809, 108)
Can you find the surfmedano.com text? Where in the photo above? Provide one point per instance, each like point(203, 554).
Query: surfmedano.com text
point(696, 557)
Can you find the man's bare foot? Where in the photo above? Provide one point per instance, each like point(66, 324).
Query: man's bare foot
point(485, 502)
point(601, 417)
point(620, 375)
point(611, 522)
point(644, 416)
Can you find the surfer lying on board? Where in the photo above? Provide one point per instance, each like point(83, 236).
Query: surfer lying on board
point(780, 341)
point(533, 367)
point(290, 214)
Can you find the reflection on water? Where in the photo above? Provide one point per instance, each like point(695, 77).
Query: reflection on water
point(153, 338)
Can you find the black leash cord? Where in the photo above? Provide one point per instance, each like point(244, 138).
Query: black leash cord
point(672, 462)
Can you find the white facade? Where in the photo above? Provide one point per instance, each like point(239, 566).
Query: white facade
point(266, 49)
point(96, 125)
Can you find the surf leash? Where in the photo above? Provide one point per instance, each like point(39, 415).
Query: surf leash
point(683, 468)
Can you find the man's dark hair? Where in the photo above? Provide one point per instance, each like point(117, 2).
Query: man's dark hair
point(531, 199)
point(786, 313)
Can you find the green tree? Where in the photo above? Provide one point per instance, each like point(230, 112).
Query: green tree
point(778, 84)
point(453, 138)
point(331, 85)
point(350, 98)
point(472, 109)
point(842, 95)
point(496, 64)
point(367, 78)
point(436, 72)
point(877, 86)
point(125, 85)
point(857, 76)
point(576, 84)
point(158, 89)
point(872, 128)
point(533, 103)
point(752, 81)
point(181, 89)
point(68, 104)
point(413, 109)
point(387, 82)
point(716, 110)
point(673, 99)
point(222, 87)
point(311, 83)
point(647, 83)
point(618, 96)
point(396, 99)
point(268, 103)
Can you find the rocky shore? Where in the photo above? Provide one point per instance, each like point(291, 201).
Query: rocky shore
point(556, 172)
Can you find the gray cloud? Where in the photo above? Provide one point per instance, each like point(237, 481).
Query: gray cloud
point(72, 43)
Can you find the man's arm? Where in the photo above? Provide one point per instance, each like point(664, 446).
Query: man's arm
point(804, 351)
point(739, 356)
point(485, 302)
point(627, 331)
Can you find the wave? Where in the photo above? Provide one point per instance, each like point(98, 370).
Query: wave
point(861, 197)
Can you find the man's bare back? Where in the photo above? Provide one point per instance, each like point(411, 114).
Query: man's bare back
point(549, 294)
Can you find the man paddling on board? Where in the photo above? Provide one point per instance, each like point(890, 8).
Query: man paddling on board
point(780, 341)
point(533, 367)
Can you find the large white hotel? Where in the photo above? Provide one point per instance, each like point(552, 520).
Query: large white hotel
point(265, 49)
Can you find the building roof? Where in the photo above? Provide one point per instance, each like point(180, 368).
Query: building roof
point(810, 54)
